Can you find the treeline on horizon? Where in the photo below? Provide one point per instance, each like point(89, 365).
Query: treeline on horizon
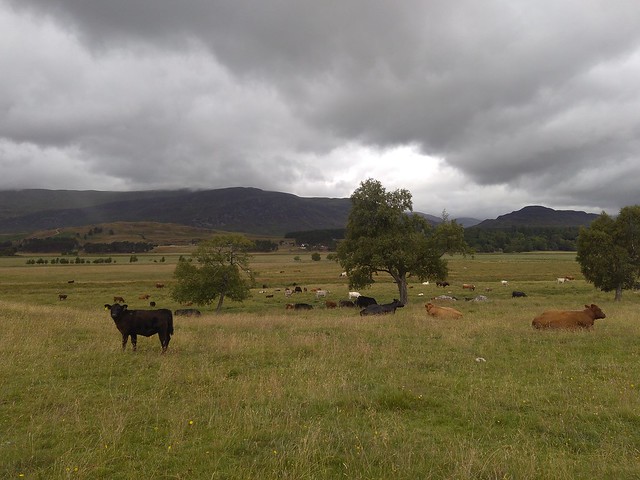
point(71, 246)
point(514, 239)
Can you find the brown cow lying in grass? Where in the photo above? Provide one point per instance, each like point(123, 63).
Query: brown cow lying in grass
point(569, 319)
point(442, 312)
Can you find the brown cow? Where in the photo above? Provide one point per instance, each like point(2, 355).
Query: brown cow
point(118, 300)
point(144, 296)
point(329, 304)
point(62, 296)
point(468, 286)
point(569, 319)
point(442, 312)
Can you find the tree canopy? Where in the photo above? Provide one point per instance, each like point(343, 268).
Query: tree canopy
point(609, 251)
point(383, 235)
point(222, 271)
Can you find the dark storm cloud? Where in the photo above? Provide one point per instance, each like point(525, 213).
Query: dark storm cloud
point(514, 102)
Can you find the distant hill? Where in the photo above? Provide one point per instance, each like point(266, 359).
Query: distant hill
point(247, 210)
point(538, 216)
point(464, 221)
point(239, 209)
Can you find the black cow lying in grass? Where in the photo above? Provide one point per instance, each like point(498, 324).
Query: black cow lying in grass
point(132, 323)
point(364, 302)
point(381, 309)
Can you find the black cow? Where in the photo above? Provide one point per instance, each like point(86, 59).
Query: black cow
point(515, 294)
point(382, 309)
point(302, 306)
point(364, 302)
point(189, 312)
point(346, 304)
point(442, 284)
point(132, 323)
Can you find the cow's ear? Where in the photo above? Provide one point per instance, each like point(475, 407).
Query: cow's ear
point(587, 306)
point(124, 307)
point(107, 306)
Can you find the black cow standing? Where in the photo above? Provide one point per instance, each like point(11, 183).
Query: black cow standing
point(132, 323)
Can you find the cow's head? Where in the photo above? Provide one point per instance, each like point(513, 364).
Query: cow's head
point(116, 310)
point(597, 312)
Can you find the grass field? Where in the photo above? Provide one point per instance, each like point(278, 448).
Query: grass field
point(260, 392)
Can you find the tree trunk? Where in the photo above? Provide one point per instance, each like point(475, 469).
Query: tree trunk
point(220, 300)
point(402, 289)
point(618, 293)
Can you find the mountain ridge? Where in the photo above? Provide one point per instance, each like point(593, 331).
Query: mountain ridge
point(242, 209)
point(540, 216)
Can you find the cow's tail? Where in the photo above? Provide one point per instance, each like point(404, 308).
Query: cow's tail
point(170, 324)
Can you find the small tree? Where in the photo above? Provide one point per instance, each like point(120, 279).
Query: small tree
point(609, 251)
point(222, 271)
point(383, 235)
point(315, 256)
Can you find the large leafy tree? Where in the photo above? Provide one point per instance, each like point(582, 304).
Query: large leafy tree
point(222, 271)
point(384, 235)
point(609, 251)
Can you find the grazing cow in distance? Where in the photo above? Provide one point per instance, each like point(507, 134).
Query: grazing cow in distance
point(346, 304)
point(329, 304)
point(353, 295)
point(443, 284)
point(569, 277)
point(442, 312)
point(468, 286)
point(569, 319)
point(561, 280)
point(144, 296)
point(504, 283)
point(70, 281)
point(62, 296)
point(298, 290)
point(516, 293)
point(159, 285)
point(189, 312)
point(383, 309)
point(364, 302)
point(152, 304)
point(321, 293)
point(132, 323)
point(343, 274)
point(118, 299)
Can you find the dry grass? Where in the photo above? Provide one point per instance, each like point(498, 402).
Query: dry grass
point(269, 393)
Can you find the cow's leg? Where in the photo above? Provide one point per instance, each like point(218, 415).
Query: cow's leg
point(164, 340)
point(124, 340)
point(134, 341)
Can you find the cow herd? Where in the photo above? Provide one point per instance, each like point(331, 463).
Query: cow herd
point(131, 323)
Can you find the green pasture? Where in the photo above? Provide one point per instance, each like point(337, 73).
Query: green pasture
point(260, 392)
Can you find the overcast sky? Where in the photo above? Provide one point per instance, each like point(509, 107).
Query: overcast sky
point(476, 107)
